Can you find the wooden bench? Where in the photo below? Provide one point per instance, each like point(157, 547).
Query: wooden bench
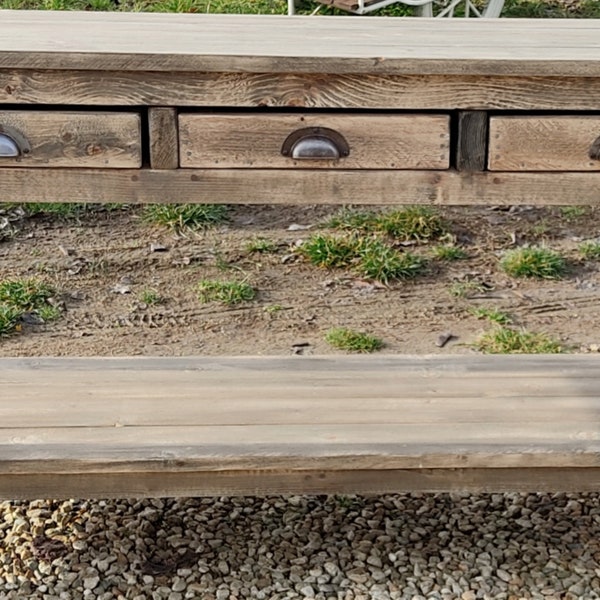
point(221, 426)
point(231, 109)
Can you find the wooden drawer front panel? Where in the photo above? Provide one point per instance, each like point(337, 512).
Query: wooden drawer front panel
point(255, 141)
point(74, 139)
point(543, 143)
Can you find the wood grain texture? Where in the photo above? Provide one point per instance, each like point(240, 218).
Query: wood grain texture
point(255, 140)
point(302, 186)
point(471, 152)
point(193, 426)
point(365, 91)
point(164, 139)
point(261, 483)
point(194, 42)
point(543, 143)
point(76, 139)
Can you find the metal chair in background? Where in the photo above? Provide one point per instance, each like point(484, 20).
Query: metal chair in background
point(424, 8)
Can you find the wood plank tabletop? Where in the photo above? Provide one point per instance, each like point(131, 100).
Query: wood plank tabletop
point(271, 43)
point(115, 419)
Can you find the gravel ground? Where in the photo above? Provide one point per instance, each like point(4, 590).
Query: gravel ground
point(410, 546)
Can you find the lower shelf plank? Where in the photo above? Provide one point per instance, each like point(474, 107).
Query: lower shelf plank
point(271, 186)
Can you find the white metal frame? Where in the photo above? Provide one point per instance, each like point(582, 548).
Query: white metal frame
point(492, 9)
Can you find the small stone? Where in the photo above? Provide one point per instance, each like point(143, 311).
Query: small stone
point(331, 568)
point(89, 583)
point(443, 339)
point(504, 575)
point(223, 567)
point(307, 591)
point(358, 575)
point(179, 585)
point(468, 595)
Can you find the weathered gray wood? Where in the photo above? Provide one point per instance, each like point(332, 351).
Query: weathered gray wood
point(543, 143)
point(259, 483)
point(240, 89)
point(75, 139)
point(256, 186)
point(388, 141)
point(471, 152)
point(262, 44)
point(134, 426)
point(164, 142)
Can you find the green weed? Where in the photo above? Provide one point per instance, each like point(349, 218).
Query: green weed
point(226, 292)
point(352, 341)
point(151, 297)
point(186, 216)
point(465, 289)
point(590, 250)
point(539, 262)
point(503, 340)
point(331, 251)
point(492, 314)
point(260, 245)
point(448, 253)
point(381, 262)
point(573, 213)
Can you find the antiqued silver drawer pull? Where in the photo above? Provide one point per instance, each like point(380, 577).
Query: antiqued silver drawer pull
point(315, 143)
point(12, 143)
point(594, 152)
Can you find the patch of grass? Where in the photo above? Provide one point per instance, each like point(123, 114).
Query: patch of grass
point(418, 223)
point(352, 341)
point(64, 210)
point(9, 318)
point(20, 296)
point(186, 216)
point(151, 297)
point(381, 262)
point(226, 292)
point(464, 289)
point(504, 340)
point(331, 251)
point(261, 245)
point(492, 314)
point(590, 250)
point(448, 253)
point(572, 213)
point(352, 219)
point(369, 257)
point(535, 261)
point(25, 294)
point(273, 309)
point(410, 223)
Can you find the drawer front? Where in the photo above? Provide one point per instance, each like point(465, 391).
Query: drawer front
point(364, 141)
point(70, 139)
point(544, 143)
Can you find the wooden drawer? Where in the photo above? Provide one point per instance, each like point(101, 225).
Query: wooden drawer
point(71, 139)
point(368, 141)
point(543, 143)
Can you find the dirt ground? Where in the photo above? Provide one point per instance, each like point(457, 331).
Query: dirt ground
point(103, 261)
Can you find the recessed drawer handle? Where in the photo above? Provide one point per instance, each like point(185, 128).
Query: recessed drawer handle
point(12, 143)
point(315, 143)
point(594, 152)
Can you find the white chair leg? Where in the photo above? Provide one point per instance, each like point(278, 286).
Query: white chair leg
point(493, 9)
point(425, 10)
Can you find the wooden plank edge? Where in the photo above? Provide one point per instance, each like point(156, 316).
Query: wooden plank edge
point(248, 186)
point(258, 483)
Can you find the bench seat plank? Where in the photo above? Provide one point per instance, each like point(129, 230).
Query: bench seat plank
point(201, 42)
point(169, 426)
